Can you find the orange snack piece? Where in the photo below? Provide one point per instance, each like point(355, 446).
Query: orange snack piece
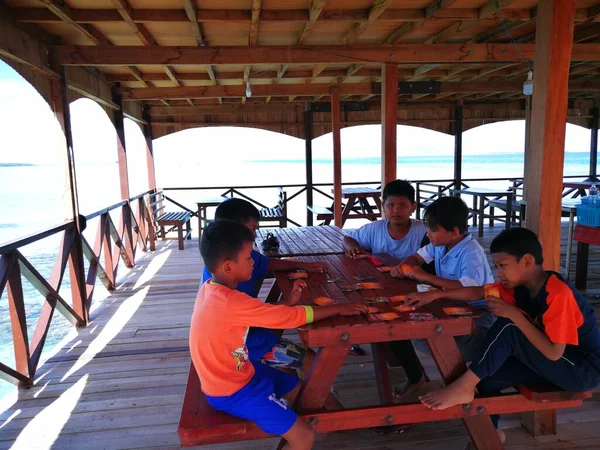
point(297, 275)
point(397, 298)
point(322, 301)
point(382, 316)
point(373, 310)
point(385, 269)
point(370, 285)
point(406, 269)
point(402, 308)
point(491, 290)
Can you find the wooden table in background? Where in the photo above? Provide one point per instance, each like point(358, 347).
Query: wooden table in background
point(202, 207)
point(361, 195)
point(584, 237)
point(334, 337)
point(483, 194)
point(303, 241)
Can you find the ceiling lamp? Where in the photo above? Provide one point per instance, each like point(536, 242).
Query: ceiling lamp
point(248, 90)
point(528, 84)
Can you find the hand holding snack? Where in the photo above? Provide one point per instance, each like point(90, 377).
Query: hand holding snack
point(491, 290)
point(353, 309)
point(402, 271)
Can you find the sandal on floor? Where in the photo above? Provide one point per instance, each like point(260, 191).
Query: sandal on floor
point(356, 350)
point(392, 429)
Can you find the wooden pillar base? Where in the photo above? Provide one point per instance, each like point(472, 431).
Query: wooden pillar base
point(540, 423)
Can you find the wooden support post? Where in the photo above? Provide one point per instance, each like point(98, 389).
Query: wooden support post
point(389, 112)
point(149, 150)
point(308, 116)
point(337, 157)
point(527, 148)
point(553, 45)
point(594, 144)
point(60, 105)
point(458, 129)
point(123, 173)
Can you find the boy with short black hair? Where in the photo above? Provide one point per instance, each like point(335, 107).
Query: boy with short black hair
point(264, 345)
point(397, 235)
point(219, 326)
point(459, 262)
point(546, 331)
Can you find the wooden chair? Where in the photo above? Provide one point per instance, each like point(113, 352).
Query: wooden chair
point(159, 220)
point(278, 213)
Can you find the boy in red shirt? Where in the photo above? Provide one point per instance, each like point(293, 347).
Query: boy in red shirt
point(546, 330)
point(220, 322)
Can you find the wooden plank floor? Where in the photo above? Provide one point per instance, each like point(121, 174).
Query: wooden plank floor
point(119, 383)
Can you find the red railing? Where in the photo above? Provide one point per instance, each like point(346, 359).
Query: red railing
point(112, 243)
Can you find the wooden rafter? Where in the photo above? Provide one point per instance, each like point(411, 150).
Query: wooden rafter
point(314, 12)
point(486, 11)
point(65, 13)
point(379, 6)
point(139, 29)
point(430, 13)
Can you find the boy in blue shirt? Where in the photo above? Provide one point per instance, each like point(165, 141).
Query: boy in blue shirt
point(264, 345)
point(459, 262)
point(397, 235)
point(546, 331)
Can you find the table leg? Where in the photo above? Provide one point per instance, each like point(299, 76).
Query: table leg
point(509, 212)
point(581, 265)
point(199, 225)
point(481, 207)
point(570, 243)
point(378, 203)
point(451, 366)
point(474, 211)
point(382, 374)
point(348, 209)
point(321, 376)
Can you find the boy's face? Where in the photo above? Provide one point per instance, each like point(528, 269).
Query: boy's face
point(240, 269)
point(252, 225)
point(439, 236)
point(512, 272)
point(398, 209)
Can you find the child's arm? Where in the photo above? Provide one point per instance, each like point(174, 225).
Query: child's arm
point(344, 309)
point(468, 294)
point(551, 350)
point(415, 260)
point(351, 246)
point(419, 274)
point(288, 264)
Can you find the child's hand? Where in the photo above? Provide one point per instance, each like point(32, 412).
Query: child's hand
point(396, 272)
point(296, 294)
point(419, 299)
point(500, 308)
point(417, 273)
point(353, 309)
point(356, 250)
point(315, 267)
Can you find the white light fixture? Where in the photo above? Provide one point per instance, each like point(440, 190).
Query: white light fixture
point(248, 90)
point(528, 84)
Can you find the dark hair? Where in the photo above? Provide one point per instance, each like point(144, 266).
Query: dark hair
point(222, 241)
point(237, 210)
point(518, 242)
point(400, 188)
point(448, 213)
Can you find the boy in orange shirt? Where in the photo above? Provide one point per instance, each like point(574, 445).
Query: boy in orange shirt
point(221, 319)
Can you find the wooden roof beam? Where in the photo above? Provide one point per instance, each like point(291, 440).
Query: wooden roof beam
point(379, 6)
point(316, 7)
point(252, 38)
point(430, 13)
point(190, 10)
point(139, 29)
point(485, 12)
point(65, 14)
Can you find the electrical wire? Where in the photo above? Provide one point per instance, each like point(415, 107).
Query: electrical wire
point(509, 34)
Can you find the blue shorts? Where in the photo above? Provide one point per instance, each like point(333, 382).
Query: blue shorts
point(261, 400)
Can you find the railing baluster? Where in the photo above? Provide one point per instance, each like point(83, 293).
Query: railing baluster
point(108, 255)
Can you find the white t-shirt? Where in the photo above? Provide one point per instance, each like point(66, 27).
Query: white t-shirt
point(376, 238)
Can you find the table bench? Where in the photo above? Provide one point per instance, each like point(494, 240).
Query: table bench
point(174, 220)
point(278, 213)
point(322, 213)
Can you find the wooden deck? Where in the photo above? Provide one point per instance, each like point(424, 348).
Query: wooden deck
point(119, 383)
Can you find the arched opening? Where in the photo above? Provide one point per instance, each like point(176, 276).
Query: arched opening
point(137, 166)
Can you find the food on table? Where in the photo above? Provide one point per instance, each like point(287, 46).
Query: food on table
point(375, 261)
point(397, 298)
point(370, 285)
point(323, 301)
point(374, 310)
point(380, 317)
point(297, 275)
point(350, 288)
point(385, 269)
point(421, 316)
point(406, 270)
point(457, 311)
point(377, 300)
point(402, 308)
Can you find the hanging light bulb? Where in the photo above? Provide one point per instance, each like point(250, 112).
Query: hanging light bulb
point(248, 90)
point(528, 84)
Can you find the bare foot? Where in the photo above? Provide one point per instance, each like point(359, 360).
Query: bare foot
point(455, 394)
point(408, 389)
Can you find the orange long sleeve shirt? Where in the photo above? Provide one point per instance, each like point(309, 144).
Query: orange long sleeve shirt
point(220, 323)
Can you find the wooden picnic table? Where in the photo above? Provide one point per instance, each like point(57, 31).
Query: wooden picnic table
point(203, 205)
point(483, 194)
point(334, 337)
point(584, 236)
point(295, 241)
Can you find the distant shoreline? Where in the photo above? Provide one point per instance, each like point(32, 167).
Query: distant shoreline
point(16, 165)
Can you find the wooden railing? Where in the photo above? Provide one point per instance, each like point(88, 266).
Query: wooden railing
point(426, 191)
point(112, 243)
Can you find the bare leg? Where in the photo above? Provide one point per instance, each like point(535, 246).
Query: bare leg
point(460, 392)
point(300, 437)
point(409, 388)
